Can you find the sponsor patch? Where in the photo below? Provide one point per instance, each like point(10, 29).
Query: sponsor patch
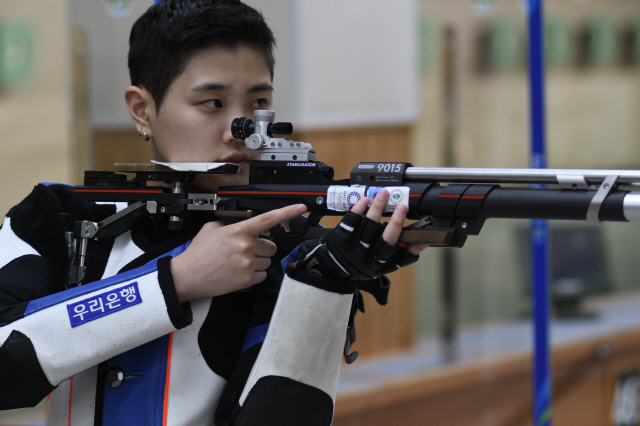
point(342, 198)
point(397, 195)
point(103, 304)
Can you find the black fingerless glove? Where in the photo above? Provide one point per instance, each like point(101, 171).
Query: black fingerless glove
point(353, 251)
point(351, 258)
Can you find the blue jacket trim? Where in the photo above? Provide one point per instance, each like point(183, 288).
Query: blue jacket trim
point(139, 399)
point(54, 299)
point(56, 183)
point(255, 335)
point(173, 253)
point(258, 333)
point(289, 258)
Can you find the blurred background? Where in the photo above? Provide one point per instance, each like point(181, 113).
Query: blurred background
point(432, 82)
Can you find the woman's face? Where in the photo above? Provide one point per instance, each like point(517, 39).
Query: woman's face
point(194, 120)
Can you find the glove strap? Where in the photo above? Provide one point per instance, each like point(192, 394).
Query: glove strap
point(350, 358)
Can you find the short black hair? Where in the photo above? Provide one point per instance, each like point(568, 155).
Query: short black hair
point(170, 32)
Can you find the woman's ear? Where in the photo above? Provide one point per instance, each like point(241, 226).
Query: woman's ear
point(141, 109)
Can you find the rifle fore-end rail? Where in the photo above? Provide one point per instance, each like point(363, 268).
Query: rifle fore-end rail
point(431, 236)
point(567, 178)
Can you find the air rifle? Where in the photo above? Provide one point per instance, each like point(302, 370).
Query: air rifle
point(288, 173)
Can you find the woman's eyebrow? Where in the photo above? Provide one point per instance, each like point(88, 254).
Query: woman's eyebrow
point(211, 86)
point(259, 88)
point(225, 88)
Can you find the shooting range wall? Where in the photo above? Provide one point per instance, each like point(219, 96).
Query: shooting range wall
point(592, 110)
point(593, 104)
point(35, 97)
point(366, 83)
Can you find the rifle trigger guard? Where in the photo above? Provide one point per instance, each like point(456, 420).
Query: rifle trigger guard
point(596, 202)
point(206, 202)
point(422, 223)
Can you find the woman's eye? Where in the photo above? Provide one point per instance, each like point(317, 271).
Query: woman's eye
point(213, 103)
point(259, 103)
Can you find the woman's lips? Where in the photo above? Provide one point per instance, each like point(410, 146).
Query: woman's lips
point(240, 159)
point(236, 158)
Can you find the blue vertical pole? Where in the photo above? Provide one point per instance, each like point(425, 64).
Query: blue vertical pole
point(539, 228)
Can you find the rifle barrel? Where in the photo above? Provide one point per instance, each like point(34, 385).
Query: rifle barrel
point(541, 203)
point(519, 176)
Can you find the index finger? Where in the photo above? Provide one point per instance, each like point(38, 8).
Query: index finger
point(268, 220)
point(378, 204)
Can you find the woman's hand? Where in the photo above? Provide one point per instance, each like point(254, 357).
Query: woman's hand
point(396, 222)
point(223, 259)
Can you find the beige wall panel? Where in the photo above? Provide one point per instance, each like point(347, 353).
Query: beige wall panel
point(382, 329)
point(592, 122)
point(119, 146)
point(34, 114)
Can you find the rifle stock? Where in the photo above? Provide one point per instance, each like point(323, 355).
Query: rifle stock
point(445, 213)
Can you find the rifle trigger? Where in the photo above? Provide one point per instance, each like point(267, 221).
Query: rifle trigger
point(286, 227)
point(422, 223)
point(265, 234)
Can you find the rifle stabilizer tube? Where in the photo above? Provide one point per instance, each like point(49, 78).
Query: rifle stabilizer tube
point(539, 203)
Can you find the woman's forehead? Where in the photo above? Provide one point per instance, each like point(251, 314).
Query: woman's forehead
point(226, 65)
